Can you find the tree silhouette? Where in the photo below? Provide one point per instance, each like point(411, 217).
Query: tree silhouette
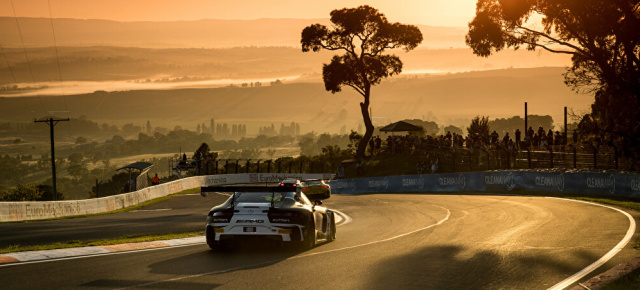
point(478, 129)
point(363, 33)
point(603, 38)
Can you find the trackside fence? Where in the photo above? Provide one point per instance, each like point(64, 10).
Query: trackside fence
point(591, 183)
point(35, 210)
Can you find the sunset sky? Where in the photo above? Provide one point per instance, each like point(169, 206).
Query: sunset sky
point(428, 12)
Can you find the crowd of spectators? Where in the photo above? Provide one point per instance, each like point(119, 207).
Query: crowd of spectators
point(540, 140)
point(432, 149)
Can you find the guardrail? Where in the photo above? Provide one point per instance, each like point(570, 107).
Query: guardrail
point(591, 183)
point(36, 210)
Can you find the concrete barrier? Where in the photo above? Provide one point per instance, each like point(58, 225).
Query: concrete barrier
point(590, 183)
point(36, 210)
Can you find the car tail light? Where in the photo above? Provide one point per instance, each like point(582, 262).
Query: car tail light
point(325, 186)
point(305, 188)
point(222, 217)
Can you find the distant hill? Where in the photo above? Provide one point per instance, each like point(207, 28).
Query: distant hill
point(128, 63)
point(446, 99)
point(208, 33)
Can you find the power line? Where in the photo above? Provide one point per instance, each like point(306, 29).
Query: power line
point(8, 65)
point(55, 45)
point(33, 79)
point(13, 76)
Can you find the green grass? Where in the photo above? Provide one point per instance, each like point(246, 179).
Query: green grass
point(135, 207)
point(629, 281)
point(620, 203)
point(103, 242)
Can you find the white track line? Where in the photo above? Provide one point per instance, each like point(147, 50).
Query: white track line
point(347, 219)
point(577, 276)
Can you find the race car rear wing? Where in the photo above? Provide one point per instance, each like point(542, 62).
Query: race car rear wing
point(248, 188)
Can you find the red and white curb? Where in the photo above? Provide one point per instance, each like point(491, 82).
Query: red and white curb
point(35, 256)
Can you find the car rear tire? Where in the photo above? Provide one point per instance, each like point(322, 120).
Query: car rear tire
point(332, 228)
point(217, 246)
point(309, 236)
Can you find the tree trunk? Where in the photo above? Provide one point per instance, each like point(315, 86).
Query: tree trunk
point(364, 108)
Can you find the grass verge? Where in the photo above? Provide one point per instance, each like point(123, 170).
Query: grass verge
point(103, 242)
point(629, 281)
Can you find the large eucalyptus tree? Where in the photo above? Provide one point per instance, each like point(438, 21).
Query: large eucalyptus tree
point(363, 34)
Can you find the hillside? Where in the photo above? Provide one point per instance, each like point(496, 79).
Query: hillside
point(450, 99)
point(208, 33)
point(99, 64)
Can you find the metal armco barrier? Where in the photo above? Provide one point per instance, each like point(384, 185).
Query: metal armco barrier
point(35, 210)
point(591, 183)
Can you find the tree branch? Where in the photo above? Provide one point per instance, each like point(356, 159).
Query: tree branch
point(356, 88)
point(558, 41)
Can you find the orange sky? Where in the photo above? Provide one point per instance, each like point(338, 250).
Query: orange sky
point(429, 12)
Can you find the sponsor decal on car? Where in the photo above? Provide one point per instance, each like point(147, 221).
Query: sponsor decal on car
point(250, 221)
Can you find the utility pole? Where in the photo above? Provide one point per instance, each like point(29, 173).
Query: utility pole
point(52, 123)
point(564, 142)
point(525, 119)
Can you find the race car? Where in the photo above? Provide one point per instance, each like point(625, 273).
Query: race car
point(297, 184)
point(316, 188)
point(277, 213)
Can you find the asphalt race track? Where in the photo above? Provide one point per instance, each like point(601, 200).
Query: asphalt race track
point(181, 214)
point(393, 241)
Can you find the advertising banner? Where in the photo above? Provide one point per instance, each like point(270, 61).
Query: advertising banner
point(589, 183)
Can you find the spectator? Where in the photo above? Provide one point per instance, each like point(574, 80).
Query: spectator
point(434, 166)
point(372, 145)
point(155, 180)
point(359, 171)
point(540, 131)
point(518, 139)
point(506, 138)
point(494, 137)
